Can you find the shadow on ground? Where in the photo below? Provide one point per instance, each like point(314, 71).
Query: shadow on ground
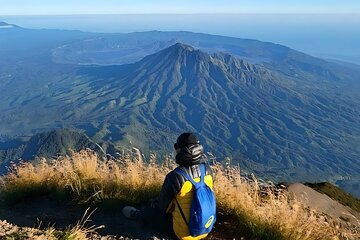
point(42, 212)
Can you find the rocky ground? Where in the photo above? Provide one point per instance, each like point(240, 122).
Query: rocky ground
point(349, 219)
point(325, 204)
point(10, 231)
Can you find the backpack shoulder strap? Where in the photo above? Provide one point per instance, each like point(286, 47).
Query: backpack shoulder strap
point(181, 212)
point(202, 170)
point(185, 175)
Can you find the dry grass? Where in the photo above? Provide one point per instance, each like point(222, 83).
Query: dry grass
point(85, 177)
point(270, 211)
point(267, 216)
point(79, 231)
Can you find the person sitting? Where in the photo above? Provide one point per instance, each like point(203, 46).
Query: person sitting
point(171, 212)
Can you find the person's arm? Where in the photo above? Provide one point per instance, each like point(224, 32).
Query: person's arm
point(168, 191)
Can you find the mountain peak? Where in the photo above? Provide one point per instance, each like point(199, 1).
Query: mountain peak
point(178, 52)
point(181, 46)
point(187, 56)
point(180, 49)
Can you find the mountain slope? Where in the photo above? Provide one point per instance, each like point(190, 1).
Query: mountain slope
point(336, 194)
point(279, 128)
point(323, 203)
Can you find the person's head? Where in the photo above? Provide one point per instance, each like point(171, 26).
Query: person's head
point(188, 149)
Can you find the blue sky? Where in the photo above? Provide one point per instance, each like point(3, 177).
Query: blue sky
point(50, 7)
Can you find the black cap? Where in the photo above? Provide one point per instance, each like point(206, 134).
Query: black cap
point(186, 139)
point(190, 148)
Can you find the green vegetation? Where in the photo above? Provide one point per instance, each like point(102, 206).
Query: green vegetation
point(336, 194)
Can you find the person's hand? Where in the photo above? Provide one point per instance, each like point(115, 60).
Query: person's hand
point(154, 203)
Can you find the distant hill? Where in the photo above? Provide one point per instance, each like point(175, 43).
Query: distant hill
point(48, 145)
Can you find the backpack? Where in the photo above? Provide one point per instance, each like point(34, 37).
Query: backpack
point(203, 205)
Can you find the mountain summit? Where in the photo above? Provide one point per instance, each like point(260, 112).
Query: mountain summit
point(179, 53)
point(179, 47)
point(184, 51)
point(192, 63)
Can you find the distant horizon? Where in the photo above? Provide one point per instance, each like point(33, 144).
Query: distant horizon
point(329, 36)
point(247, 13)
point(61, 7)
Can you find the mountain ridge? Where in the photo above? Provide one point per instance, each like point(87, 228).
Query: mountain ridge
point(272, 55)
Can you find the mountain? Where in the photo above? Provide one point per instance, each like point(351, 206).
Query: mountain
point(272, 124)
point(48, 145)
point(278, 112)
point(276, 126)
